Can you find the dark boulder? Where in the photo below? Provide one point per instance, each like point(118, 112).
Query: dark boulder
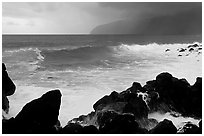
point(174, 92)
point(136, 87)
point(40, 115)
point(136, 106)
point(8, 126)
point(177, 93)
point(90, 130)
point(189, 128)
point(167, 50)
point(8, 88)
point(164, 127)
point(119, 124)
point(126, 102)
point(191, 49)
point(164, 80)
point(105, 117)
point(182, 50)
point(150, 86)
point(72, 128)
point(200, 126)
point(108, 99)
point(198, 84)
point(75, 128)
point(194, 45)
point(147, 123)
point(195, 104)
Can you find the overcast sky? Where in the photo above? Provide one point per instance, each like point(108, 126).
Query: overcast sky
point(79, 18)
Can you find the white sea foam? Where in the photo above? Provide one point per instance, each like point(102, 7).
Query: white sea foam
point(153, 47)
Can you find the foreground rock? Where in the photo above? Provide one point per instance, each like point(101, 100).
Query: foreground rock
point(118, 113)
point(164, 94)
point(8, 88)
point(74, 128)
point(190, 128)
point(179, 94)
point(38, 116)
point(164, 127)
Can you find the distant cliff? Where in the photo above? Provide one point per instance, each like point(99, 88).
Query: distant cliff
point(183, 23)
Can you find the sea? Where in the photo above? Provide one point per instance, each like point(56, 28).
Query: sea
point(87, 67)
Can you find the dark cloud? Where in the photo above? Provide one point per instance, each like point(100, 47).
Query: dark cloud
point(155, 19)
point(117, 17)
point(151, 7)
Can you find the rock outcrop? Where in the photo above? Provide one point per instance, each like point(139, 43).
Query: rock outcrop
point(38, 116)
point(8, 88)
point(165, 94)
point(164, 127)
point(189, 128)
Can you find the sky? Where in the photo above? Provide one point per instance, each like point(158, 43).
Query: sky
point(94, 17)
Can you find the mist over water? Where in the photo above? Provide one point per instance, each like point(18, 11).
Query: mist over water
point(85, 68)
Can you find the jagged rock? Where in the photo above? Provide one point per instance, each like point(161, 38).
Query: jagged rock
point(189, 128)
point(113, 123)
point(195, 104)
point(191, 49)
point(104, 117)
point(72, 128)
point(200, 126)
point(194, 45)
point(164, 80)
point(112, 98)
point(89, 119)
point(182, 50)
point(178, 93)
point(126, 102)
point(147, 123)
point(8, 126)
point(135, 105)
point(90, 130)
point(150, 85)
point(76, 128)
point(167, 50)
point(39, 115)
point(8, 88)
point(136, 87)
point(164, 127)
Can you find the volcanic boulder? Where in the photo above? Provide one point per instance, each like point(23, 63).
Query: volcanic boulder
point(114, 123)
point(8, 88)
point(40, 115)
point(190, 128)
point(164, 127)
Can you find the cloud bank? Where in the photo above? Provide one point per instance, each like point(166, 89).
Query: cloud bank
point(154, 19)
point(102, 18)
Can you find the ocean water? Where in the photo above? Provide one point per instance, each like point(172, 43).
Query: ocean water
point(86, 67)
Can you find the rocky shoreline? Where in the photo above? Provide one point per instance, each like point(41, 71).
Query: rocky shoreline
point(125, 112)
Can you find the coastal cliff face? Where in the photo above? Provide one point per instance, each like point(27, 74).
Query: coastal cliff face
point(123, 112)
